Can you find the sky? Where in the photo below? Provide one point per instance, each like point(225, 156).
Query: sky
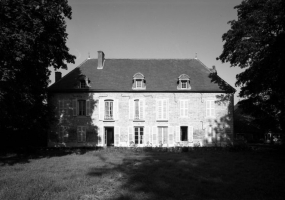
point(161, 29)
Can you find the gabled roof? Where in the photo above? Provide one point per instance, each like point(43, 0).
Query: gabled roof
point(161, 75)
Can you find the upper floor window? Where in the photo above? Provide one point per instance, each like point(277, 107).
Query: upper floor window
point(184, 82)
point(136, 109)
point(183, 107)
point(82, 107)
point(108, 109)
point(162, 110)
point(139, 81)
point(210, 108)
point(83, 82)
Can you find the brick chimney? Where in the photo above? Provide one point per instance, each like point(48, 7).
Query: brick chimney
point(57, 76)
point(101, 59)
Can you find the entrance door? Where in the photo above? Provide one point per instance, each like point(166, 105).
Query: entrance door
point(109, 136)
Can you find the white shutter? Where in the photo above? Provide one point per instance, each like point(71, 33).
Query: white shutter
point(101, 135)
point(131, 109)
point(142, 108)
point(186, 105)
point(177, 134)
point(212, 105)
point(117, 135)
point(146, 136)
point(101, 109)
point(167, 109)
point(116, 109)
point(171, 136)
point(154, 135)
point(164, 108)
point(181, 106)
point(130, 135)
point(207, 108)
point(158, 109)
point(190, 133)
point(88, 107)
point(74, 107)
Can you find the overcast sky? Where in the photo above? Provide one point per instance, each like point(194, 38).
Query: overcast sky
point(151, 29)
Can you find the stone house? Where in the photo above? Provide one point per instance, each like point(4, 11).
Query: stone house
point(142, 102)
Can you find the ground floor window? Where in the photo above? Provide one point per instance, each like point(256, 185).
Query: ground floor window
point(162, 135)
point(138, 135)
point(81, 134)
point(184, 133)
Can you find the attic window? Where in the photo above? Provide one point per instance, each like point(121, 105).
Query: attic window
point(139, 82)
point(183, 82)
point(83, 82)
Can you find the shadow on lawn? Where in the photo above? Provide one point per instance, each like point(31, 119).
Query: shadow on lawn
point(162, 175)
point(24, 155)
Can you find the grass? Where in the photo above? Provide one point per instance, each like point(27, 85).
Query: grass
point(125, 174)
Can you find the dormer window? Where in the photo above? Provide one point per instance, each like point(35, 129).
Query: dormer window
point(183, 82)
point(139, 82)
point(83, 82)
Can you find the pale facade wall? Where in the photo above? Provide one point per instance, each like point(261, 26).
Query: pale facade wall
point(217, 130)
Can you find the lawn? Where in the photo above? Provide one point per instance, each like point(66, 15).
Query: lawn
point(127, 174)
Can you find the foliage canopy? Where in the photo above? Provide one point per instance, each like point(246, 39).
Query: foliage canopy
point(32, 38)
point(256, 42)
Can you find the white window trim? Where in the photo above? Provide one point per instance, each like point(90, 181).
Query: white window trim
point(143, 139)
point(164, 111)
point(185, 104)
point(102, 109)
point(141, 109)
point(212, 111)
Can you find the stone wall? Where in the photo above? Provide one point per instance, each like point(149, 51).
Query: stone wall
point(207, 131)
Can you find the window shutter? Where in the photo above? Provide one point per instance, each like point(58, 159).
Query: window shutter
point(79, 134)
point(131, 109)
point(142, 108)
point(101, 109)
point(171, 136)
point(164, 106)
point(116, 109)
point(117, 135)
point(154, 135)
point(130, 135)
point(212, 105)
point(181, 108)
point(146, 136)
point(207, 108)
point(83, 135)
point(159, 135)
point(101, 136)
point(88, 107)
point(167, 109)
point(74, 101)
point(190, 133)
point(158, 109)
point(186, 104)
point(177, 134)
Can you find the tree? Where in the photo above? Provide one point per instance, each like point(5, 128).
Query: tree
point(256, 42)
point(32, 38)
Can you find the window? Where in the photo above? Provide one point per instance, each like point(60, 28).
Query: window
point(136, 109)
point(184, 133)
point(82, 84)
point(63, 133)
point(82, 107)
point(139, 135)
point(162, 109)
point(81, 134)
point(108, 110)
point(162, 135)
point(183, 108)
point(184, 82)
point(139, 81)
point(63, 107)
point(210, 108)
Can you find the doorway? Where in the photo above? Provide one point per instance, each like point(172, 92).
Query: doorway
point(109, 136)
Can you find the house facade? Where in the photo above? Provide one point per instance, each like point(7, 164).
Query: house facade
point(141, 102)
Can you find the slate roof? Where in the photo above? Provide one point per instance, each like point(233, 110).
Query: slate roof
point(161, 75)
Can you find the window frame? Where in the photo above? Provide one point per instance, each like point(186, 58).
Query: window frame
point(140, 134)
point(211, 108)
point(164, 109)
point(184, 78)
point(84, 134)
point(139, 77)
point(110, 109)
point(82, 102)
point(163, 135)
point(82, 84)
point(181, 134)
